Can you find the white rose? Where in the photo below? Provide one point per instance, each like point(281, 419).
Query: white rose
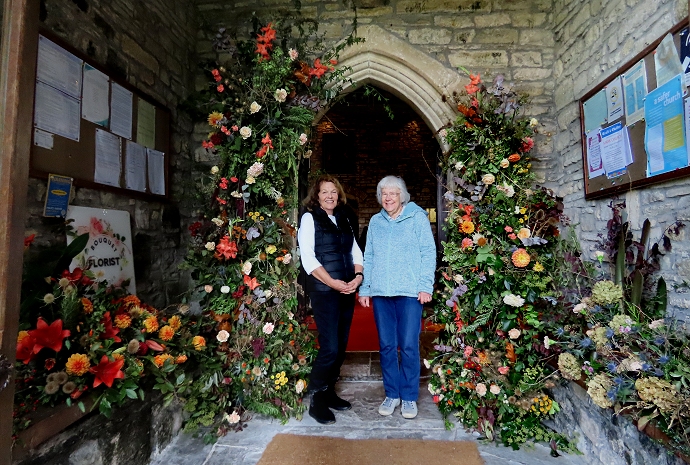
point(514, 333)
point(217, 221)
point(245, 132)
point(302, 139)
point(513, 300)
point(300, 385)
point(488, 179)
point(254, 108)
point(222, 335)
point(459, 165)
point(225, 289)
point(268, 328)
point(280, 95)
point(494, 389)
point(427, 364)
point(214, 170)
point(307, 154)
point(533, 122)
point(210, 246)
point(247, 267)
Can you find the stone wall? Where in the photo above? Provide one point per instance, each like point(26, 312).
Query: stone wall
point(151, 46)
point(593, 39)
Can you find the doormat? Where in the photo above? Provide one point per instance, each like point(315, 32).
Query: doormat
point(288, 449)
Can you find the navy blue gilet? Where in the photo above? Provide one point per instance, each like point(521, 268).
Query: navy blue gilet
point(332, 247)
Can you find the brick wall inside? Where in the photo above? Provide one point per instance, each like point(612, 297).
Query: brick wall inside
point(403, 146)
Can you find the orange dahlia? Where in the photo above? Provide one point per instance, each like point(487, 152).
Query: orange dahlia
point(131, 301)
point(166, 333)
point(175, 323)
point(513, 158)
point(159, 360)
point(520, 258)
point(151, 324)
point(467, 227)
point(199, 342)
point(123, 321)
point(181, 359)
point(88, 306)
point(77, 364)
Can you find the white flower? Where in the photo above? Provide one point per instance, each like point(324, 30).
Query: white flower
point(254, 108)
point(245, 132)
point(533, 122)
point(504, 163)
point(210, 246)
point(302, 139)
point(443, 133)
point(548, 342)
point(225, 289)
point(506, 189)
point(459, 165)
point(236, 194)
point(268, 294)
point(458, 279)
point(514, 333)
point(579, 308)
point(513, 300)
point(256, 169)
point(656, 324)
point(293, 54)
point(208, 288)
point(488, 179)
point(247, 267)
point(517, 210)
point(250, 180)
point(268, 328)
point(481, 389)
point(217, 221)
point(287, 258)
point(599, 254)
point(222, 335)
point(300, 385)
point(427, 364)
point(290, 315)
point(64, 282)
point(214, 170)
point(233, 418)
point(280, 95)
point(494, 389)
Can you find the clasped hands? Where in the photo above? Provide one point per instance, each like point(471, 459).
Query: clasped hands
point(346, 287)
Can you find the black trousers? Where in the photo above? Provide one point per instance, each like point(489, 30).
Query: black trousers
point(333, 313)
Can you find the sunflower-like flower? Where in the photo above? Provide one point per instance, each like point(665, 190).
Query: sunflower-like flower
point(520, 258)
point(77, 364)
point(215, 118)
point(175, 323)
point(166, 333)
point(159, 360)
point(123, 320)
point(467, 227)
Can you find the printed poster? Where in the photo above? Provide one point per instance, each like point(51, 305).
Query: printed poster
point(666, 61)
point(635, 90)
point(665, 130)
point(614, 100)
point(108, 253)
point(57, 196)
point(613, 150)
point(595, 165)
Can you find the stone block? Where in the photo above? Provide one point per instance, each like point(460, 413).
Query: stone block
point(454, 21)
point(429, 6)
point(478, 58)
point(531, 74)
point(429, 36)
point(134, 50)
point(528, 19)
point(465, 37)
point(526, 59)
point(540, 37)
point(492, 20)
point(496, 36)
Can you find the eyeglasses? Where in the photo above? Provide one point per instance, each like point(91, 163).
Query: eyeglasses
point(390, 194)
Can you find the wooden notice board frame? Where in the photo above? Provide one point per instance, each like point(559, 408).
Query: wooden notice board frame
point(77, 159)
point(636, 175)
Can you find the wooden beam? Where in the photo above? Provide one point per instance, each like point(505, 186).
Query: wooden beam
point(17, 76)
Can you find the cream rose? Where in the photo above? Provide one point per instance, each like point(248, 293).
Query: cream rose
point(245, 132)
point(254, 108)
point(488, 179)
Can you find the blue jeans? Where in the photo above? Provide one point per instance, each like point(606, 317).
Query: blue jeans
point(399, 322)
point(333, 313)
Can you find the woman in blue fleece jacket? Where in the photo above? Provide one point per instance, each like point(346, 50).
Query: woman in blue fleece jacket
point(399, 265)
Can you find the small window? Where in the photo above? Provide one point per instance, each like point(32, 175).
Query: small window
point(339, 153)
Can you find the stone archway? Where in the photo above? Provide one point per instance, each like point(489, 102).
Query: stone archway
point(392, 64)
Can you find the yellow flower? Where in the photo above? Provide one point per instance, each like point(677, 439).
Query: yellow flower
point(77, 364)
point(215, 118)
point(123, 321)
point(467, 227)
point(88, 306)
point(199, 342)
point(271, 249)
point(159, 360)
point(166, 333)
point(175, 323)
point(151, 324)
point(520, 258)
point(538, 267)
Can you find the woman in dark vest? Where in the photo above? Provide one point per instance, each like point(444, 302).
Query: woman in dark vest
point(333, 261)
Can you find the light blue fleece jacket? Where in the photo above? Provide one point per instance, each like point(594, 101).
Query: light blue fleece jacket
point(400, 255)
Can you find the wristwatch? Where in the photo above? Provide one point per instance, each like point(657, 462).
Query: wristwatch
point(359, 273)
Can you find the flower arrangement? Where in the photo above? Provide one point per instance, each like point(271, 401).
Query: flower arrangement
point(242, 251)
point(619, 340)
point(490, 368)
point(82, 337)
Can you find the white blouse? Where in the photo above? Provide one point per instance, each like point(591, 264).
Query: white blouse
point(305, 239)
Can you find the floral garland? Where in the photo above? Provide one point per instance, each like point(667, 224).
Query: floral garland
point(490, 370)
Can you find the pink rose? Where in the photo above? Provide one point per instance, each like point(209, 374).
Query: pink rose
point(481, 389)
point(503, 370)
point(468, 351)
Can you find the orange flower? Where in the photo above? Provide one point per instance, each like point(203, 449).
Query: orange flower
point(199, 342)
point(483, 358)
point(520, 258)
point(123, 321)
point(472, 87)
point(159, 360)
point(23, 335)
point(77, 364)
point(251, 282)
point(88, 306)
point(513, 158)
point(467, 227)
point(151, 324)
point(166, 333)
point(181, 359)
point(132, 301)
point(510, 352)
point(225, 249)
point(175, 323)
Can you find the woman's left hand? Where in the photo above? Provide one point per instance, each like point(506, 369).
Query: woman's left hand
point(353, 285)
point(424, 297)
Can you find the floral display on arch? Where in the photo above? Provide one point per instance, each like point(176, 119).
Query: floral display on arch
point(490, 366)
point(243, 253)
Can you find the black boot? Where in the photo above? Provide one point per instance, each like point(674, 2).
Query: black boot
point(335, 402)
point(319, 410)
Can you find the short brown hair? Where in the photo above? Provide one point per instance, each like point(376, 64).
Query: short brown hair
point(312, 200)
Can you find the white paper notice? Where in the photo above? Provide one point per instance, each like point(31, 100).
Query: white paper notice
point(56, 112)
point(108, 158)
point(121, 111)
point(667, 61)
point(628, 148)
point(655, 148)
point(614, 99)
point(146, 124)
point(135, 167)
point(635, 89)
point(58, 68)
point(595, 166)
point(94, 102)
point(43, 139)
point(156, 171)
point(613, 150)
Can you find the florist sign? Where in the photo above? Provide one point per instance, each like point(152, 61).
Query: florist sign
point(107, 253)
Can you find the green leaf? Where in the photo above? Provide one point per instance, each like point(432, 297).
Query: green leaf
point(180, 379)
point(131, 393)
point(81, 407)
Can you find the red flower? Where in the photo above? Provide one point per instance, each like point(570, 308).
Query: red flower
point(143, 348)
point(262, 152)
point(48, 336)
point(333, 61)
point(262, 49)
point(49, 363)
point(234, 179)
point(194, 228)
point(223, 184)
point(217, 139)
point(153, 345)
point(226, 249)
point(106, 371)
point(318, 70)
point(239, 292)
point(109, 332)
point(527, 144)
point(25, 348)
point(207, 145)
point(472, 87)
point(216, 75)
point(251, 282)
point(267, 140)
point(28, 240)
point(220, 88)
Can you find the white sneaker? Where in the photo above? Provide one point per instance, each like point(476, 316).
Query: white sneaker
point(388, 405)
point(409, 409)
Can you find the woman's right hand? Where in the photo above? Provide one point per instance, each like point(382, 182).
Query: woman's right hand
point(364, 301)
point(341, 286)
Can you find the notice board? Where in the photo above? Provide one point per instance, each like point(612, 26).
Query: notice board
point(96, 129)
point(634, 124)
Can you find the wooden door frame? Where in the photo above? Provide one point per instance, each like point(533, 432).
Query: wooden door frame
point(19, 41)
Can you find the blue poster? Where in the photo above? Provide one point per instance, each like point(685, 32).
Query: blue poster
point(57, 196)
point(664, 138)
